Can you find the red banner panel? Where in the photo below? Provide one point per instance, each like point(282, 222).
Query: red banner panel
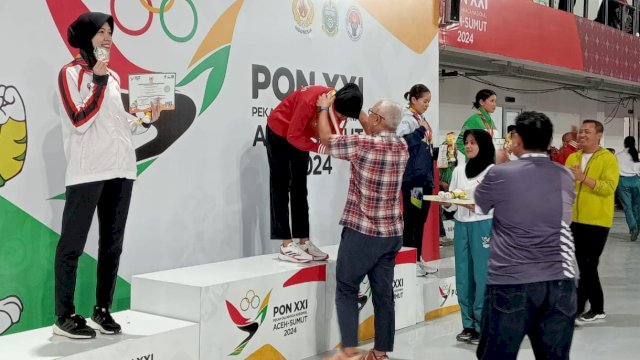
point(609, 51)
point(518, 29)
point(523, 30)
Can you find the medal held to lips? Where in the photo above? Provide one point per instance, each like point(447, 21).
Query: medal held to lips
point(101, 53)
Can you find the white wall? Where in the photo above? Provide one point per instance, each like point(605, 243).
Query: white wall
point(564, 108)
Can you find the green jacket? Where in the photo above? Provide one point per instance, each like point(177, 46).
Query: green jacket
point(473, 122)
point(595, 206)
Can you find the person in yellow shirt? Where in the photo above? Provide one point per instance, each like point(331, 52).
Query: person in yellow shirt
point(596, 175)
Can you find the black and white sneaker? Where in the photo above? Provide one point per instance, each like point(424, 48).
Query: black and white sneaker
point(590, 316)
point(102, 321)
point(475, 338)
point(465, 334)
point(73, 327)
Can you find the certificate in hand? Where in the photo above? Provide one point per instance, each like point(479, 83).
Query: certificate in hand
point(144, 88)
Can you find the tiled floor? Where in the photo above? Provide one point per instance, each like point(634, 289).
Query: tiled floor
point(617, 337)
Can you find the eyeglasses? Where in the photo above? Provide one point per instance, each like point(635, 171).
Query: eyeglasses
point(370, 111)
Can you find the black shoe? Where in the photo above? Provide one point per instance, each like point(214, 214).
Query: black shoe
point(103, 322)
point(634, 235)
point(465, 334)
point(73, 327)
point(590, 316)
point(475, 338)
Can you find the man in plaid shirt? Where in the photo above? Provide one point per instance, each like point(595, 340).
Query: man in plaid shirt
point(372, 220)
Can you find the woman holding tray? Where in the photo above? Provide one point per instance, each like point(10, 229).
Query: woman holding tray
point(471, 233)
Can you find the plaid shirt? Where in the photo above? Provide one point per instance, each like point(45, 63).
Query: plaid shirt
point(377, 165)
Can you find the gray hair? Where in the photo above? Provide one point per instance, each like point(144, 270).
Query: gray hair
point(391, 113)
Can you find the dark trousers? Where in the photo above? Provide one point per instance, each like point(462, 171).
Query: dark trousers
point(287, 175)
point(375, 257)
point(589, 241)
point(112, 199)
point(544, 311)
point(414, 218)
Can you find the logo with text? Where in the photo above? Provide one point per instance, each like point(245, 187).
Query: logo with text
point(303, 15)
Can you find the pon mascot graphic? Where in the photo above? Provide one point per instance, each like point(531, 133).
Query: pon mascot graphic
point(10, 311)
point(13, 133)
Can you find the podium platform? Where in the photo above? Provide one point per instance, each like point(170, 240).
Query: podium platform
point(144, 337)
point(436, 294)
point(249, 308)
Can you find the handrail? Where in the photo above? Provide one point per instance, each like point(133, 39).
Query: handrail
point(569, 6)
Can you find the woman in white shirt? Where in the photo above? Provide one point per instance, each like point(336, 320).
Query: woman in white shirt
point(471, 233)
point(628, 190)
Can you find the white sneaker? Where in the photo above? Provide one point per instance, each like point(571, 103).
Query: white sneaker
point(423, 270)
point(294, 253)
point(420, 270)
point(311, 249)
point(430, 270)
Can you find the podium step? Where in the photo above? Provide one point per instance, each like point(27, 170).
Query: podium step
point(248, 308)
point(437, 294)
point(144, 337)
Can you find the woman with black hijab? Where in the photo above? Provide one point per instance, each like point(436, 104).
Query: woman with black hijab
point(101, 168)
point(471, 233)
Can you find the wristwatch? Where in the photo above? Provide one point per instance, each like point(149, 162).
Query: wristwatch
point(320, 108)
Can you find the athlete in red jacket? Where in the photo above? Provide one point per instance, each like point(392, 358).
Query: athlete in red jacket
point(292, 131)
point(569, 146)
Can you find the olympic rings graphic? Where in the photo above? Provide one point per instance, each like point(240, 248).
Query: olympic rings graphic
point(166, 30)
point(155, 10)
point(127, 31)
point(250, 300)
point(164, 7)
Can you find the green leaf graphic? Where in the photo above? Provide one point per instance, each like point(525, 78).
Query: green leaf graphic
point(144, 165)
point(21, 141)
point(217, 62)
point(20, 157)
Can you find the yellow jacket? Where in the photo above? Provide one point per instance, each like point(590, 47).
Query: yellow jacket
point(595, 206)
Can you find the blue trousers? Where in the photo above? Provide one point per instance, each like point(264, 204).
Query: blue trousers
point(544, 311)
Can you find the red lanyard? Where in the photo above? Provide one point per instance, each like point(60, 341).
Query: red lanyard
point(429, 134)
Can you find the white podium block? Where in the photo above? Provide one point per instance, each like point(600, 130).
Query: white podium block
point(436, 294)
point(144, 337)
point(255, 308)
point(404, 289)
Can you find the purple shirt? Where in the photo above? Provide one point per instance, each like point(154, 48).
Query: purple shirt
point(531, 240)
